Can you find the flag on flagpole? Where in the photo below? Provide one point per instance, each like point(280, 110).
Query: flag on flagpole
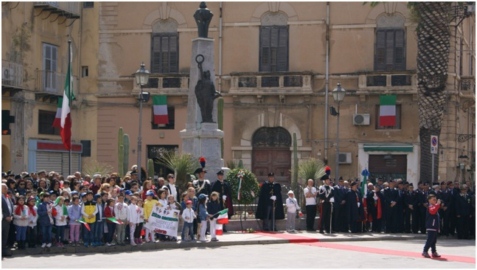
point(365, 174)
point(57, 121)
point(223, 217)
point(65, 110)
point(159, 103)
point(387, 110)
point(114, 220)
point(81, 220)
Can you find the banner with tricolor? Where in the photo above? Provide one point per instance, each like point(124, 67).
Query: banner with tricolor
point(387, 110)
point(223, 217)
point(219, 229)
point(115, 220)
point(81, 220)
point(159, 103)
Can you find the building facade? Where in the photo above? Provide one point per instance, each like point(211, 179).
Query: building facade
point(276, 65)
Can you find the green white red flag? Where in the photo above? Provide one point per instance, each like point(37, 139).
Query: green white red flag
point(387, 110)
point(219, 229)
point(159, 103)
point(65, 110)
point(81, 220)
point(223, 217)
point(57, 121)
point(115, 220)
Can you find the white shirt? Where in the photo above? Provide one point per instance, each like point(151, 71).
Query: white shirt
point(188, 215)
point(134, 213)
point(310, 200)
point(173, 190)
point(121, 210)
point(292, 205)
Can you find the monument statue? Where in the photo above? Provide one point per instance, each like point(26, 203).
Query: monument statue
point(205, 92)
point(202, 17)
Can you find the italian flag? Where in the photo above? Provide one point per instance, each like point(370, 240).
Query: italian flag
point(115, 220)
point(223, 217)
point(57, 121)
point(160, 109)
point(387, 110)
point(65, 111)
point(81, 220)
point(219, 229)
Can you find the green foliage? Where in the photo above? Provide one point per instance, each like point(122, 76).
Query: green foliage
point(311, 169)
point(249, 188)
point(150, 168)
point(240, 164)
point(231, 164)
point(93, 166)
point(181, 164)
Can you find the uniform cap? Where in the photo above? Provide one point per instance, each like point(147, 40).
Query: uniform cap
point(271, 174)
point(221, 172)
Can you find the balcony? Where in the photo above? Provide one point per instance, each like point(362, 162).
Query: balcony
point(165, 84)
point(289, 83)
point(51, 84)
point(379, 82)
point(12, 75)
point(67, 9)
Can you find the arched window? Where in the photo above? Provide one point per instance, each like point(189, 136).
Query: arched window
point(165, 47)
point(274, 42)
point(390, 46)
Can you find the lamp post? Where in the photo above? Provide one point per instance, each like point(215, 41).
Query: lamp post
point(142, 77)
point(338, 95)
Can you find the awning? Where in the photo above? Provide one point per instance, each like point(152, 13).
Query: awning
point(388, 147)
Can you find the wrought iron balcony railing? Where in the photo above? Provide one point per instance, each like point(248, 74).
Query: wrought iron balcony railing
point(67, 9)
point(12, 74)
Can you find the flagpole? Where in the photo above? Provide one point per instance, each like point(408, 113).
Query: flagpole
point(69, 102)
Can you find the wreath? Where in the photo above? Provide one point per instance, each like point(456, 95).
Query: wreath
point(244, 186)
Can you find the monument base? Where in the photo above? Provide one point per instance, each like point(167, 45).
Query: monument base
point(205, 142)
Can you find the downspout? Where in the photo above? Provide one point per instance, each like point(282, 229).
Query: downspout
point(327, 71)
point(220, 48)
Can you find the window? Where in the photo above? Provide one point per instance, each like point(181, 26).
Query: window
point(84, 71)
point(45, 123)
point(273, 48)
point(390, 52)
point(165, 53)
point(88, 4)
point(398, 118)
point(50, 56)
point(170, 114)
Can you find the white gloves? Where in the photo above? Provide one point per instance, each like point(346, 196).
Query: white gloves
point(224, 197)
point(273, 197)
point(359, 204)
point(332, 200)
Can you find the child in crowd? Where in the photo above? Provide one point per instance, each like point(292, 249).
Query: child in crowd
point(60, 220)
point(292, 208)
point(148, 205)
point(172, 205)
point(89, 210)
point(203, 217)
point(134, 213)
point(161, 193)
point(45, 219)
point(213, 207)
point(432, 226)
point(20, 220)
point(99, 228)
point(109, 213)
point(32, 221)
point(66, 186)
point(137, 232)
point(188, 215)
point(74, 214)
point(121, 214)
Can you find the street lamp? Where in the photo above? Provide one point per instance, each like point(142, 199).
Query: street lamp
point(142, 78)
point(338, 95)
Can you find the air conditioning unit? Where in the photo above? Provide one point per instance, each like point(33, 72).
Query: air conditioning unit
point(344, 158)
point(7, 74)
point(361, 119)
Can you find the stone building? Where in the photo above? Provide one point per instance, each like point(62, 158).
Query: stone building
point(276, 65)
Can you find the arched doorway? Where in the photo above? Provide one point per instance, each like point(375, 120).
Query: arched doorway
point(271, 153)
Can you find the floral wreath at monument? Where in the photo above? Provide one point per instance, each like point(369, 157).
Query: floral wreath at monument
point(244, 185)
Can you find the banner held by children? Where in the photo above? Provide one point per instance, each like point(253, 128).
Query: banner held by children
point(163, 221)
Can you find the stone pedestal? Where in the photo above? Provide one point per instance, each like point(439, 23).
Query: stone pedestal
point(202, 139)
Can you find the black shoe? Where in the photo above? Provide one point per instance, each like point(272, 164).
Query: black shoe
point(322, 232)
point(425, 255)
point(6, 255)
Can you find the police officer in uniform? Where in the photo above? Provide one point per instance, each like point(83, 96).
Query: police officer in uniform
point(225, 194)
point(326, 194)
point(270, 204)
point(201, 185)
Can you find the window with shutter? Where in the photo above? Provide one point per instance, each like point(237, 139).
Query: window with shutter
point(164, 53)
point(273, 48)
point(390, 50)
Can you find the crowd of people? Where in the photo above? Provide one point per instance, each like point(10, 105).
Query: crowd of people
point(45, 209)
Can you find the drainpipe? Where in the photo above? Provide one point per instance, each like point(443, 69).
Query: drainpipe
point(220, 48)
point(327, 71)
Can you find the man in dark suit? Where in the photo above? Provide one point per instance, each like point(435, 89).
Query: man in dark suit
point(7, 216)
point(270, 199)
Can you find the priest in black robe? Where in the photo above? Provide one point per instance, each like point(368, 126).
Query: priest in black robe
point(270, 197)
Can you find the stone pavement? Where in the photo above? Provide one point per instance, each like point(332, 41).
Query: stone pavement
point(227, 239)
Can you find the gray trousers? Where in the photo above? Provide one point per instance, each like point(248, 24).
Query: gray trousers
point(5, 231)
point(121, 232)
point(291, 221)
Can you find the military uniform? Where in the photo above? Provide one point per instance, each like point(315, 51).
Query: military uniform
point(266, 204)
point(326, 194)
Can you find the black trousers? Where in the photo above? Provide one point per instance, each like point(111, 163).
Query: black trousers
point(416, 220)
point(407, 220)
point(377, 225)
point(5, 232)
point(423, 219)
point(452, 224)
point(310, 217)
point(268, 220)
point(31, 236)
point(463, 227)
point(325, 217)
point(431, 241)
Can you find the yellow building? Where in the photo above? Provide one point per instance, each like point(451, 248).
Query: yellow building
point(276, 65)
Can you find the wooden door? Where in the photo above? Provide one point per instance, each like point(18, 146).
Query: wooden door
point(276, 160)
